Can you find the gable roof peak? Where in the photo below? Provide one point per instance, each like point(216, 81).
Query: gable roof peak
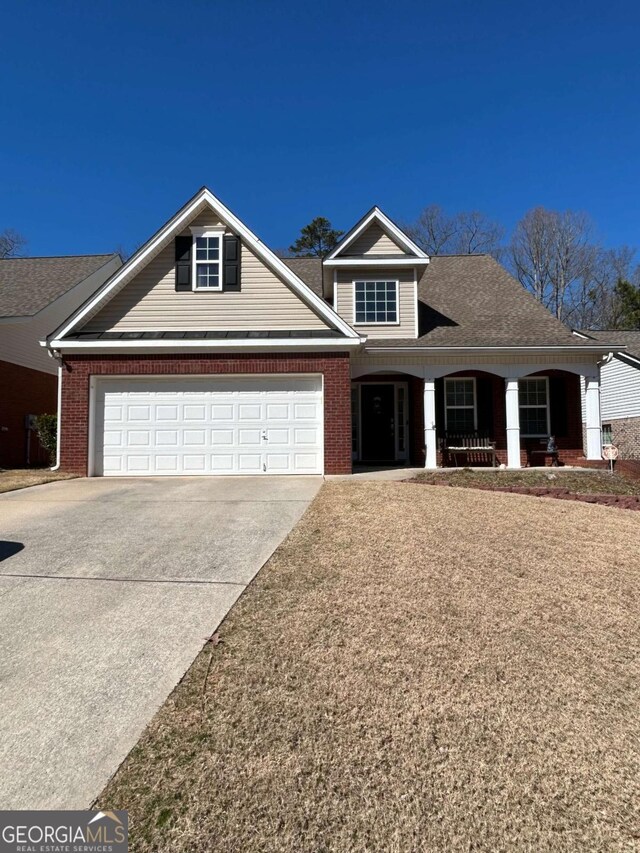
point(376, 214)
point(172, 228)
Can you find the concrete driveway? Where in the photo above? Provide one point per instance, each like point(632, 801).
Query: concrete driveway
point(108, 590)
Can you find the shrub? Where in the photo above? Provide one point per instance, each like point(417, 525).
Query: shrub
point(47, 432)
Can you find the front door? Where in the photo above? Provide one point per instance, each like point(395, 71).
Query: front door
point(377, 411)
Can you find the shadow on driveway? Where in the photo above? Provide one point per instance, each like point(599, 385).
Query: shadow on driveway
point(9, 549)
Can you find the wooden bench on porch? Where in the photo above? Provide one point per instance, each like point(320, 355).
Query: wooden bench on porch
point(469, 444)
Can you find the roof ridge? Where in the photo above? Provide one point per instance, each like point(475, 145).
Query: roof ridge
point(54, 257)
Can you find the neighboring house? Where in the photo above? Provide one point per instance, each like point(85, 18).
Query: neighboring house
point(207, 354)
point(620, 391)
point(36, 294)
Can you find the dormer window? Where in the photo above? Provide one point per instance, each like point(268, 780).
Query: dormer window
point(376, 301)
point(207, 255)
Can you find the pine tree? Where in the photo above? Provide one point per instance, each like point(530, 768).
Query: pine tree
point(316, 239)
point(627, 296)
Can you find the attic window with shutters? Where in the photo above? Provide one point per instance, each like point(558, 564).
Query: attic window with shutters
point(206, 268)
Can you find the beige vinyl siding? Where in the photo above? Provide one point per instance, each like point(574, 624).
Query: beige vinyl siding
point(206, 217)
point(149, 302)
point(373, 241)
point(405, 328)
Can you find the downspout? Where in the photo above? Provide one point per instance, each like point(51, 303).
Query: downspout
point(55, 354)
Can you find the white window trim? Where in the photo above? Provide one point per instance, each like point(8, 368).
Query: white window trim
point(472, 379)
point(531, 406)
point(395, 281)
point(206, 231)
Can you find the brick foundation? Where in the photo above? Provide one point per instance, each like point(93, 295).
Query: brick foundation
point(23, 392)
point(333, 366)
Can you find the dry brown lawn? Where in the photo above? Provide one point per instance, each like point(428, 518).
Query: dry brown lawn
point(20, 478)
point(416, 669)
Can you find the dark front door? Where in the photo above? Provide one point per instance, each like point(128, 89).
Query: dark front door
point(377, 409)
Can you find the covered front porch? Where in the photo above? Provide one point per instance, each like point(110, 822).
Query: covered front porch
point(478, 413)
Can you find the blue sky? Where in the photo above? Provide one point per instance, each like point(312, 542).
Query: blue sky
point(115, 113)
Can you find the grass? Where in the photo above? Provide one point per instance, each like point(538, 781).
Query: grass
point(21, 478)
point(583, 482)
point(415, 669)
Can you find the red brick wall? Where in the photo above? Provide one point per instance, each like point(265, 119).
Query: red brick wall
point(23, 391)
point(333, 366)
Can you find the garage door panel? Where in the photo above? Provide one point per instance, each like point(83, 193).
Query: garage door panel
point(222, 463)
point(222, 437)
point(217, 425)
point(250, 463)
point(166, 464)
point(166, 413)
point(305, 462)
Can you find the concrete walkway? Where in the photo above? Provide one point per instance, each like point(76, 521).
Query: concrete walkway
point(108, 590)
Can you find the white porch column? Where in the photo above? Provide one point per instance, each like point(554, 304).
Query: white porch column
point(430, 460)
point(513, 423)
point(592, 414)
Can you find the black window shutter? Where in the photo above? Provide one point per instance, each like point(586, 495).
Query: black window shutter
point(484, 403)
point(558, 406)
point(183, 263)
point(231, 264)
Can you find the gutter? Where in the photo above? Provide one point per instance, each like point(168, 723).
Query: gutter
point(186, 345)
point(57, 356)
point(575, 350)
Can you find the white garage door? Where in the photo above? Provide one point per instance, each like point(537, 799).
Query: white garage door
point(234, 425)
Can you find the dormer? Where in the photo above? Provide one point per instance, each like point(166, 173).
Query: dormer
point(372, 278)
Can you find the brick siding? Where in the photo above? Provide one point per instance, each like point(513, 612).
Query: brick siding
point(626, 436)
point(23, 391)
point(333, 366)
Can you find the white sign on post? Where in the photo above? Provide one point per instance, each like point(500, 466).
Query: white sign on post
point(610, 453)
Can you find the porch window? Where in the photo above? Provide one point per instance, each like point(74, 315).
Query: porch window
point(534, 407)
point(460, 412)
point(376, 301)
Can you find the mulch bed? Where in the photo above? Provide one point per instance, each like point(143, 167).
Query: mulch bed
point(618, 501)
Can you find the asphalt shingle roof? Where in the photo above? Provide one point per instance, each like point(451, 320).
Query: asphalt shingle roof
point(27, 285)
point(625, 338)
point(309, 270)
point(467, 301)
point(472, 301)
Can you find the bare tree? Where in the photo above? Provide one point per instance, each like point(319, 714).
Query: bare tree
point(591, 295)
point(433, 230)
point(477, 234)
point(466, 233)
point(553, 256)
point(11, 243)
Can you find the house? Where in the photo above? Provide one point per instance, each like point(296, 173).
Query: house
point(620, 391)
point(36, 294)
point(207, 354)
